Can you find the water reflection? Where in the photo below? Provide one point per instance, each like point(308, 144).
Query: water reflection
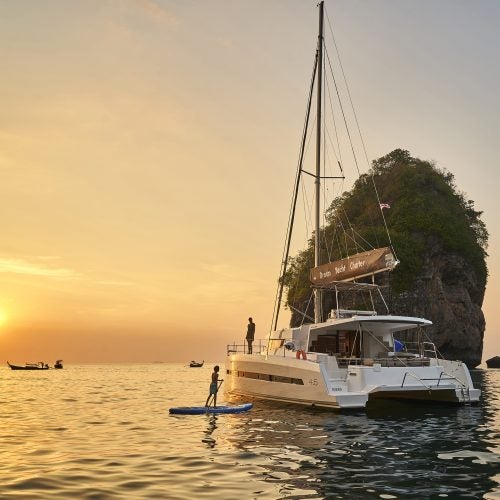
point(104, 431)
point(211, 426)
point(390, 451)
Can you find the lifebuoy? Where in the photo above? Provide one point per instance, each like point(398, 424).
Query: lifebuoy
point(300, 353)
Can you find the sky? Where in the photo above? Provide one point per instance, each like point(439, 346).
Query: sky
point(148, 151)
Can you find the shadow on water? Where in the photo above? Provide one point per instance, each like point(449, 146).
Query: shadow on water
point(391, 450)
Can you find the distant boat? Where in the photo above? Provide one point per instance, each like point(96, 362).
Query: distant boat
point(58, 364)
point(30, 366)
point(195, 364)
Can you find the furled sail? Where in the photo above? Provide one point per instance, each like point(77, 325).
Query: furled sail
point(351, 268)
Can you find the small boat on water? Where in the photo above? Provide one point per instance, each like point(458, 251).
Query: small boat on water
point(30, 366)
point(195, 364)
point(58, 364)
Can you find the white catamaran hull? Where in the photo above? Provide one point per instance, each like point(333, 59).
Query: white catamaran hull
point(311, 382)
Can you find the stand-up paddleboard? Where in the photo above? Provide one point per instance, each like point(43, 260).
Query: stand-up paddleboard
point(197, 410)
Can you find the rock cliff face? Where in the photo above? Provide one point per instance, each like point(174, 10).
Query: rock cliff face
point(493, 362)
point(450, 294)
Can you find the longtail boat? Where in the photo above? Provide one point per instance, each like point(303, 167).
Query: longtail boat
point(30, 366)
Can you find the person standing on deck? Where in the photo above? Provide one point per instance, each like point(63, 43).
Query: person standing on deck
point(250, 334)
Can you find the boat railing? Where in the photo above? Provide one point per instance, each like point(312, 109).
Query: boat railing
point(345, 362)
point(349, 313)
point(447, 376)
point(273, 345)
point(422, 349)
point(429, 349)
point(257, 347)
point(442, 376)
point(417, 378)
point(383, 361)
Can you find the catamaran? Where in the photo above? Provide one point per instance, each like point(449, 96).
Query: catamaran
point(349, 356)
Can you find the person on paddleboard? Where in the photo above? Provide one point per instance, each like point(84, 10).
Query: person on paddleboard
point(214, 386)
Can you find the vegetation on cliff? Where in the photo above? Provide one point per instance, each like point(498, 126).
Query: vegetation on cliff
point(426, 210)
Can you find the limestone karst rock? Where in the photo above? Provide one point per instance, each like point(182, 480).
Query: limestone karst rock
point(493, 362)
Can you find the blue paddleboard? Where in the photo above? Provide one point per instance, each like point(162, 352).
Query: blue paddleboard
point(197, 410)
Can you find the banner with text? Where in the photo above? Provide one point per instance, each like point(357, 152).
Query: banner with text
point(351, 268)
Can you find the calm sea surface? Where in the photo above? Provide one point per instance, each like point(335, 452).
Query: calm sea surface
point(103, 431)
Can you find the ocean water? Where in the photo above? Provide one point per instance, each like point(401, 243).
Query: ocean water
point(104, 432)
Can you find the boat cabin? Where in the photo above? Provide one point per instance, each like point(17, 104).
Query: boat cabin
point(358, 337)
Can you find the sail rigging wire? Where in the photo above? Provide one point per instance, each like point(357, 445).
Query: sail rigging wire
point(322, 234)
point(346, 127)
point(328, 163)
point(373, 225)
point(352, 230)
point(342, 237)
point(335, 128)
point(370, 246)
point(307, 207)
point(346, 236)
point(360, 236)
point(337, 239)
point(330, 249)
point(343, 113)
point(286, 249)
point(307, 201)
point(303, 314)
point(337, 152)
point(360, 134)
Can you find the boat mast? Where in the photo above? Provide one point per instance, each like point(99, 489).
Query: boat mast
point(317, 182)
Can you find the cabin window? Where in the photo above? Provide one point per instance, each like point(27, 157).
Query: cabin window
point(338, 343)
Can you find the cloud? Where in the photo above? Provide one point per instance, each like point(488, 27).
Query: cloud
point(37, 266)
point(156, 11)
point(46, 266)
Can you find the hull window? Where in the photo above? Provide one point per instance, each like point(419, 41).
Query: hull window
point(266, 377)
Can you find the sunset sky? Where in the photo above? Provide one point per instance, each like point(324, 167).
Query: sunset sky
point(148, 151)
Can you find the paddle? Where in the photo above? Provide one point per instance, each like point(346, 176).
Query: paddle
point(212, 396)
